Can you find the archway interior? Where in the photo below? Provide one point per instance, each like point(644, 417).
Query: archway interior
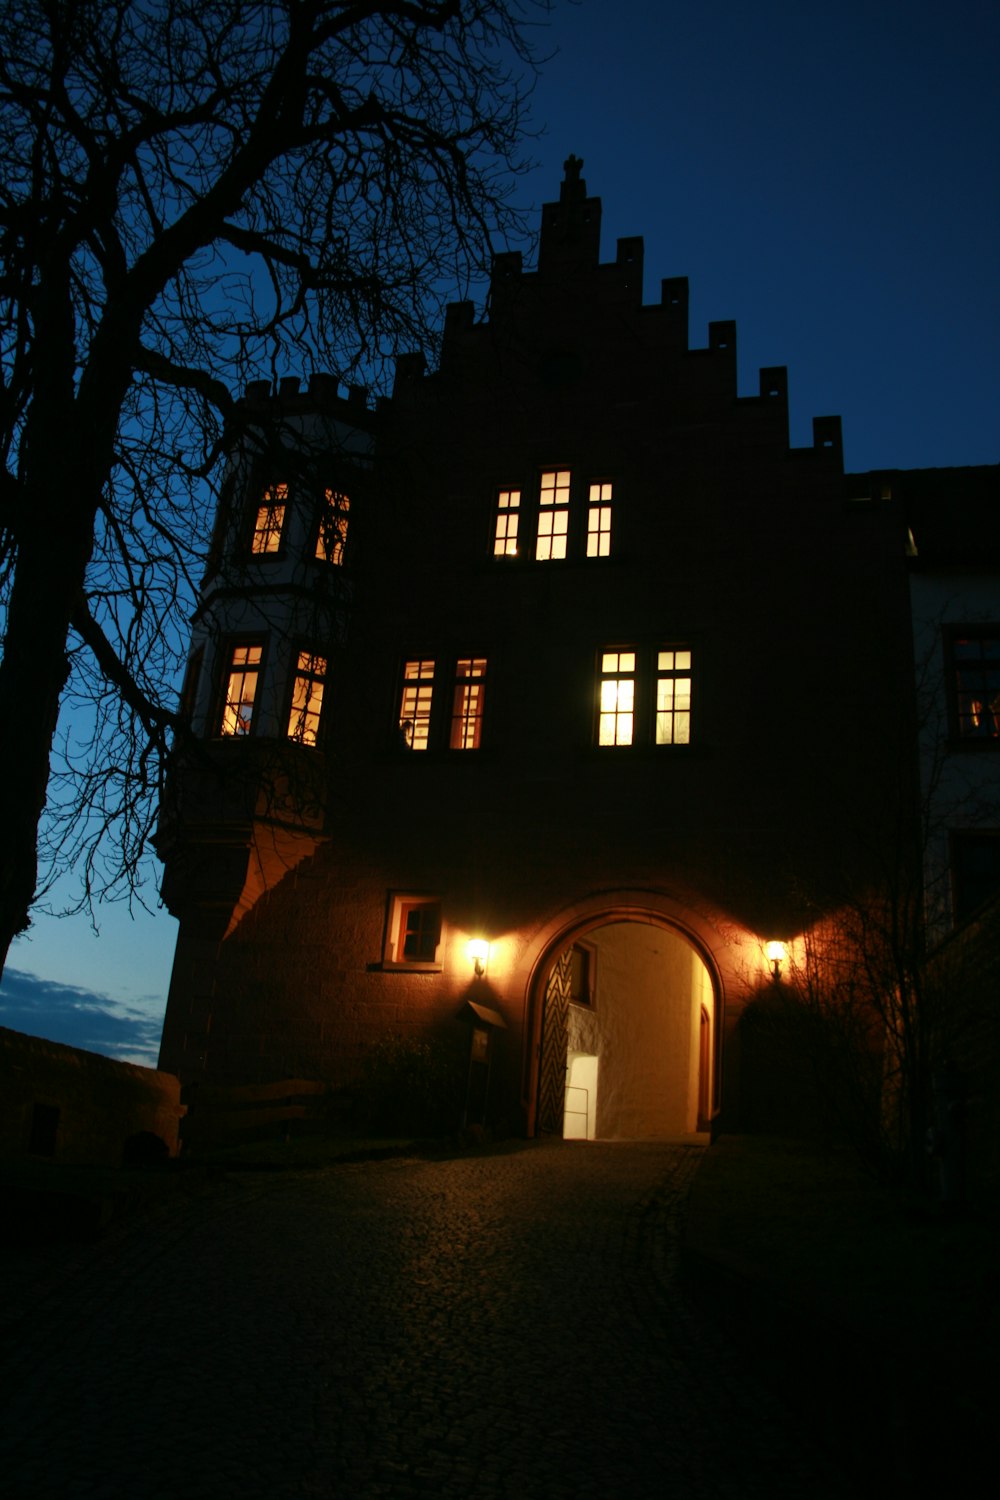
point(625, 1048)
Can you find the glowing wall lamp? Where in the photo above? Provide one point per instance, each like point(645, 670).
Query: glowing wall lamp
point(479, 951)
point(776, 952)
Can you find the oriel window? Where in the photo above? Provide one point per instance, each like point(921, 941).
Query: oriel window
point(242, 675)
point(307, 698)
point(332, 536)
point(269, 521)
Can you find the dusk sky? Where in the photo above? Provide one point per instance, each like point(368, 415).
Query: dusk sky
point(825, 175)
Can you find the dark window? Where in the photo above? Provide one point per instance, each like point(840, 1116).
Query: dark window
point(975, 870)
point(974, 654)
point(582, 973)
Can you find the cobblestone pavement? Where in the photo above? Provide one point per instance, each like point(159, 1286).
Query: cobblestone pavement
point(503, 1325)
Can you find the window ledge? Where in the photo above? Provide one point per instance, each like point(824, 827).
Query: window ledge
point(388, 967)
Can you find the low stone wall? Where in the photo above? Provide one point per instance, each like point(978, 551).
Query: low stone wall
point(63, 1104)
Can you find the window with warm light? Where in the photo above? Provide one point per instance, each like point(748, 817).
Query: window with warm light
point(553, 515)
point(673, 697)
point(242, 673)
point(416, 703)
point(467, 703)
point(332, 535)
point(269, 521)
point(974, 656)
point(599, 521)
point(644, 696)
point(616, 718)
point(307, 698)
point(413, 932)
point(505, 528)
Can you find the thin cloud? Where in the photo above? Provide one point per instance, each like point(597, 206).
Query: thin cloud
point(80, 1017)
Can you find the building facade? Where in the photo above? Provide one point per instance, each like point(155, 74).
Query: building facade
point(562, 653)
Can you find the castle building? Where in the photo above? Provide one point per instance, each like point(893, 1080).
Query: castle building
point(532, 706)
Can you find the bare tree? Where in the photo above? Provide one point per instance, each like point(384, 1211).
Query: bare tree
point(196, 193)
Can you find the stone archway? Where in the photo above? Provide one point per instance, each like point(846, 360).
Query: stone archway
point(629, 1006)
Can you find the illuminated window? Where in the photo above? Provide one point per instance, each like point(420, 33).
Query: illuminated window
point(644, 696)
point(415, 704)
point(413, 931)
point(269, 520)
point(241, 689)
point(599, 521)
point(616, 720)
point(553, 515)
point(975, 667)
point(505, 535)
point(467, 703)
point(332, 536)
point(307, 698)
point(673, 697)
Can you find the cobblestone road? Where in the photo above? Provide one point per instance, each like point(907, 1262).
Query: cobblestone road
point(504, 1325)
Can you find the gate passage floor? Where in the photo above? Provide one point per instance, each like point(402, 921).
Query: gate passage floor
point(498, 1325)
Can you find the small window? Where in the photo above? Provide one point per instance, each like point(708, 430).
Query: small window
point(332, 536)
point(413, 931)
point(673, 697)
point(975, 674)
point(616, 719)
point(505, 531)
point(307, 698)
point(242, 673)
point(467, 703)
point(599, 521)
point(553, 516)
point(582, 973)
point(415, 704)
point(269, 521)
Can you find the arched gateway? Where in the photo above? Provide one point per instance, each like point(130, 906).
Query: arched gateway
point(626, 1021)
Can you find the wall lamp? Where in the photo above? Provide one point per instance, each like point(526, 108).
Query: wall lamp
point(479, 951)
point(776, 952)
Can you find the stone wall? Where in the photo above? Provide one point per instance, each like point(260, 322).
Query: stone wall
point(66, 1105)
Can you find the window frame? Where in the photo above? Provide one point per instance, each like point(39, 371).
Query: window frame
point(413, 684)
point(296, 675)
point(645, 677)
point(336, 503)
point(467, 688)
point(954, 636)
point(554, 509)
point(259, 505)
point(507, 508)
point(602, 506)
point(399, 906)
point(232, 645)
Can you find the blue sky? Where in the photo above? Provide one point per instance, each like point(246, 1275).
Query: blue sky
point(825, 175)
